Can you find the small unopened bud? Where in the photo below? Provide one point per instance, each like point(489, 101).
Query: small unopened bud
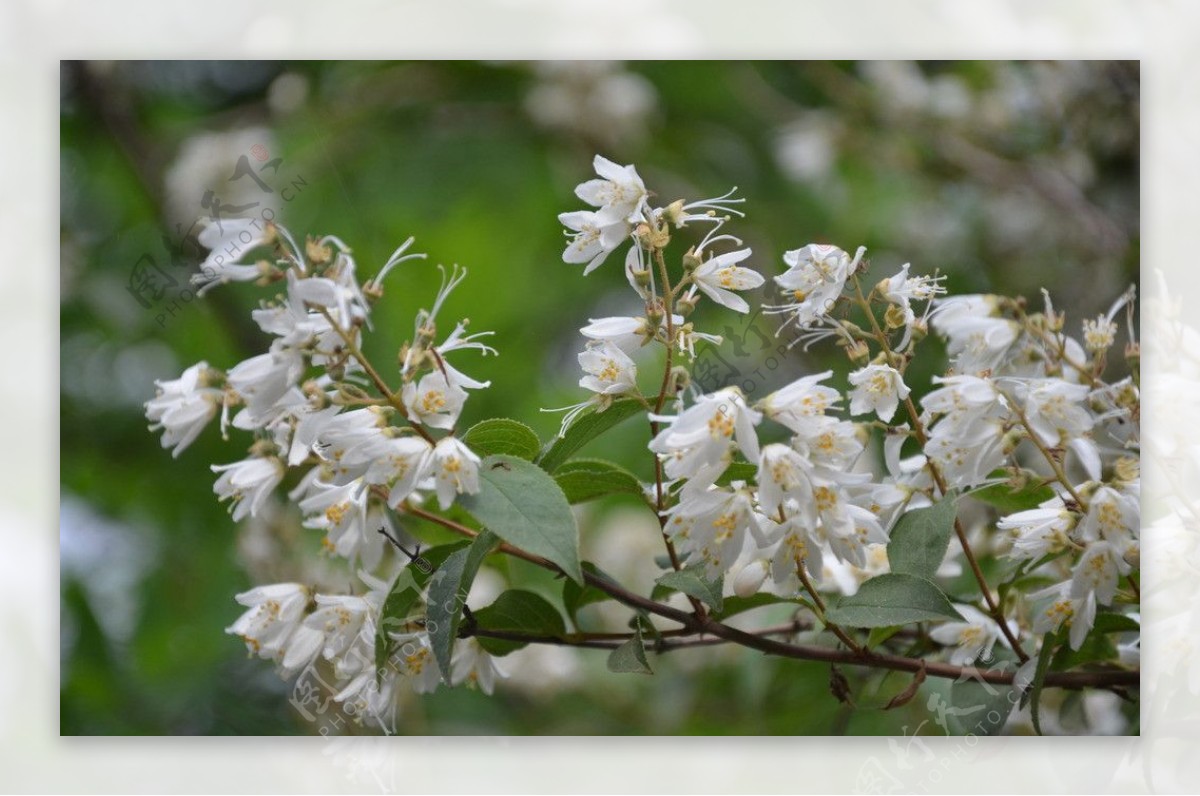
point(641, 276)
point(318, 253)
point(750, 579)
point(858, 351)
point(655, 312)
point(674, 212)
point(691, 261)
point(685, 305)
point(680, 378)
point(895, 317)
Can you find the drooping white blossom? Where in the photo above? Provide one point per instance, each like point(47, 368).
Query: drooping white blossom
point(184, 406)
point(879, 389)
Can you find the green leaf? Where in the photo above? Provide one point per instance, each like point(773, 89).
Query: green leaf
point(1097, 647)
point(518, 611)
point(878, 635)
point(692, 583)
point(405, 594)
point(920, 538)
point(1049, 641)
point(586, 428)
point(738, 471)
point(586, 479)
point(892, 599)
point(523, 505)
point(502, 435)
point(737, 605)
point(980, 708)
point(1107, 622)
point(448, 589)
point(1008, 500)
point(575, 595)
point(630, 657)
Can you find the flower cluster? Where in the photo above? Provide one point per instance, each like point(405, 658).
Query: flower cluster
point(1021, 451)
point(307, 402)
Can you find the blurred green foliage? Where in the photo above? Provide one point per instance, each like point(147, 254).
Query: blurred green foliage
point(1006, 177)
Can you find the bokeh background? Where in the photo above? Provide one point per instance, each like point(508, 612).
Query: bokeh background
point(1007, 177)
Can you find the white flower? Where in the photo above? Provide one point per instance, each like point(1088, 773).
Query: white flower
point(619, 193)
point(608, 370)
point(902, 288)
point(977, 341)
point(1076, 612)
point(455, 470)
point(229, 240)
point(814, 280)
point(434, 401)
point(797, 404)
point(1113, 517)
point(967, 452)
point(591, 239)
point(976, 635)
point(718, 276)
point(183, 407)
point(848, 529)
point(829, 442)
point(275, 611)
point(626, 333)
point(1055, 410)
point(348, 443)
point(879, 389)
point(751, 578)
point(253, 478)
point(341, 511)
point(1038, 532)
point(711, 526)
point(798, 545)
point(784, 475)
point(457, 341)
point(1097, 572)
point(399, 463)
point(701, 439)
point(415, 661)
point(263, 380)
point(341, 619)
point(473, 665)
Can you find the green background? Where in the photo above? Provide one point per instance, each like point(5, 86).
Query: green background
point(1007, 177)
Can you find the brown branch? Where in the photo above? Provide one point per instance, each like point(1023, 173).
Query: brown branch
point(707, 625)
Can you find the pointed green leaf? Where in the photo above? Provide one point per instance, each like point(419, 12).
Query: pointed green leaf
point(736, 605)
point(576, 595)
point(405, 596)
point(920, 538)
point(738, 471)
point(523, 505)
point(448, 588)
point(1009, 500)
point(982, 708)
point(518, 611)
point(502, 435)
point(630, 657)
point(586, 479)
point(692, 583)
point(586, 428)
point(892, 599)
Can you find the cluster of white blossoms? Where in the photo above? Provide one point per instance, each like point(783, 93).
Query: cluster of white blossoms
point(306, 401)
point(1023, 401)
point(795, 493)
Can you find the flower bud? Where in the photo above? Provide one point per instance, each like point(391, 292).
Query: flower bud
point(691, 261)
point(674, 212)
point(750, 579)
